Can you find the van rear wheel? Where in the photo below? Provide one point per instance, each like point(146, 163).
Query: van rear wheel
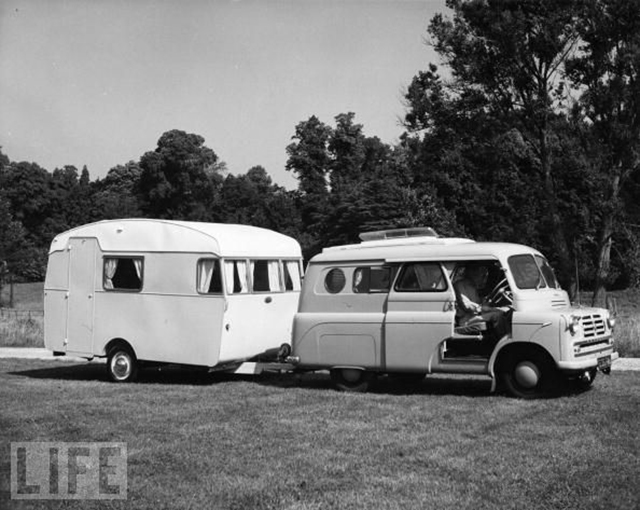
point(352, 379)
point(122, 365)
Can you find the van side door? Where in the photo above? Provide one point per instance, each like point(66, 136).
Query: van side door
point(420, 315)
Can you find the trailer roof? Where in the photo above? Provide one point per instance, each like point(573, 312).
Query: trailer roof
point(151, 235)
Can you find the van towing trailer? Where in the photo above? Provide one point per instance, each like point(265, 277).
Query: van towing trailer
point(153, 292)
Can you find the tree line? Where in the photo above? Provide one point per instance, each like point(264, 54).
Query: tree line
point(528, 132)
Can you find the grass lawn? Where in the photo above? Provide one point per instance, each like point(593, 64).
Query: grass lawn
point(225, 442)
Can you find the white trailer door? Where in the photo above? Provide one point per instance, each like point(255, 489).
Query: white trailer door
point(82, 268)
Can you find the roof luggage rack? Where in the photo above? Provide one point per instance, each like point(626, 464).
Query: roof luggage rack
point(397, 233)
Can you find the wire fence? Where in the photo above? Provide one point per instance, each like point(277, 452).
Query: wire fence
point(12, 313)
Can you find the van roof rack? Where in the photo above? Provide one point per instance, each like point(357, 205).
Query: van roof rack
point(398, 233)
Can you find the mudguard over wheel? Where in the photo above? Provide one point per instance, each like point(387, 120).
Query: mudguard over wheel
point(529, 375)
point(122, 365)
point(352, 379)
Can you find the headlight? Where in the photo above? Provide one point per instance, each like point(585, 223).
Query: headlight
point(611, 322)
point(574, 324)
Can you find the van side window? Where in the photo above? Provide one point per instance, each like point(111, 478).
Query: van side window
point(235, 275)
point(122, 273)
point(265, 275)
point(368, 280)
point(209, 276)
point(421, 277)
point(292, 279)
point(335, 280)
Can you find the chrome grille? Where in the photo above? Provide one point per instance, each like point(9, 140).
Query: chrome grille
point(593, 325)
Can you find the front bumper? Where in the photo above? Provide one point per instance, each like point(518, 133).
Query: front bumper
point(579, 365)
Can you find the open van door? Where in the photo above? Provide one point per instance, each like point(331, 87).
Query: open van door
point(80, 312)
point(420, 315)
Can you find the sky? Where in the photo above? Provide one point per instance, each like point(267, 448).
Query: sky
point(97, 82)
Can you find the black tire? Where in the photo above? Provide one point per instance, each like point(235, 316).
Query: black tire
point(352, 379)
point(529, 375)
point(122, 365)
point(407, 378)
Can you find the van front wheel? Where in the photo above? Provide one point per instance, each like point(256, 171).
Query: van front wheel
point(351, 379)
point(122, 365)
point(529, 375)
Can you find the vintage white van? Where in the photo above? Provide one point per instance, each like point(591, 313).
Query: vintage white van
point(389, 305)
point(142, 290)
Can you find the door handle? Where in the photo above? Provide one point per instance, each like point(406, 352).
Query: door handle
point(268, 299)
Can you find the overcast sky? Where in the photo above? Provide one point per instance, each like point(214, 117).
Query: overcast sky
point(97, 82)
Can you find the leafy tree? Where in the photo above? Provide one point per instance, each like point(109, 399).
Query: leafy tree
point(26, 187)
point(606, 71)
point(310, 161)
point(509, 58)
point(178, 179)
point(115, 196)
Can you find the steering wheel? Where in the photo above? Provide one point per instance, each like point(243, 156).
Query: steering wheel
point(501, 294)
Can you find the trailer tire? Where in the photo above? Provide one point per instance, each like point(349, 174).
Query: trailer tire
point(352, 379)
point(122, 365)
point(529, 375)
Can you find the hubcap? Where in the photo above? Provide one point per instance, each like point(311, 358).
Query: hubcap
point(351, 375)
point(121, 366)
point(527, 374)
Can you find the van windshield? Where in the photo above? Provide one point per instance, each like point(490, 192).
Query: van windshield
point(532, 272)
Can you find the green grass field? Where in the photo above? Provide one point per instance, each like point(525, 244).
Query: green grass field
point(273, 442)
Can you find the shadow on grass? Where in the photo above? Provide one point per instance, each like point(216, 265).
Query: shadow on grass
point(179, 375)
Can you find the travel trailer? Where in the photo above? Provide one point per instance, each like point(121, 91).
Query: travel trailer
point(392, 304)
point(153, 291)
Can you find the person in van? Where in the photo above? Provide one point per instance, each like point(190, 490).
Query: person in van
point(474, 313)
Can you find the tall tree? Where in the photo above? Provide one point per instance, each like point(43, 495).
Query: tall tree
point(309, 160)
point(513, 54)
point(177, 179)
point(116, 196)
point(606, 72)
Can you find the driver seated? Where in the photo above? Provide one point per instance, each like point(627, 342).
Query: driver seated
point(471, 310)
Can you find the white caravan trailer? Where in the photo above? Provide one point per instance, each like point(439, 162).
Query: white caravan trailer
point(142, 290)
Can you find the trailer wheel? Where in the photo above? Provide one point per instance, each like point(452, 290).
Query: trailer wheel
point(122, 365)
point(352, 379)
point(529, 375)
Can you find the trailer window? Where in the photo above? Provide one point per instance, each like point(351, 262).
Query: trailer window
point(122, 273)
point(292, 279)
point(265, 275)
point(367, 280)
point(209, 277)
point(421, 277)
point(235, 274)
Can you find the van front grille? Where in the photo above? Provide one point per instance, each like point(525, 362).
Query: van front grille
point(593, 325)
